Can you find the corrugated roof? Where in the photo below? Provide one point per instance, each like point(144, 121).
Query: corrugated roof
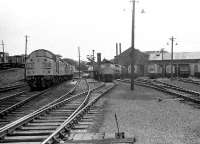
point(176, 56)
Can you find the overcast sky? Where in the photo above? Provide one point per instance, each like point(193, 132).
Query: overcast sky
point(62, 25)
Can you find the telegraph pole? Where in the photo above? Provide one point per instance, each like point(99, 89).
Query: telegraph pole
point(162, 50)
point(26, 42)
point(133, 46)
point(3, 60)
point(172, 44)
point(93, 59)
point(116, 53)
point(93, 55)
point(79, 62)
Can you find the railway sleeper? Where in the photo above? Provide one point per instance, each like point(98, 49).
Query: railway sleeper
point(80, 127)
point(31, 133)
point(85, 122)
point(2, 109)
point(11, 118)
point(22, 111)
point(7, 105)
point(48, 120)
point(14, 114)
point(38, 127)
point(26, 107)
point(3, 120)
point(8, 102)
point(93, 112)
point(16, 139)
point(63, 111)
point(58, 114)
point(69, 108)
point(87, 119)
point(44, 124)
point(19, 112)
point(3, 123)
point(53, 118)
point(86, 116)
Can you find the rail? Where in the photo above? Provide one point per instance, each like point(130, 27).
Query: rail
point(65, 127)
point(11, 87)
point(11, 127)
point(173, 90)
point(47, 105)
point(179, 88)
point(13, 95)
point(187, 80)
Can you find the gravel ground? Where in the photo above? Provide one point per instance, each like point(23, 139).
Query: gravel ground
point(140, 114)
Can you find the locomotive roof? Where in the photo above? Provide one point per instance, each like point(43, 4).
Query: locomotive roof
point(53, 55)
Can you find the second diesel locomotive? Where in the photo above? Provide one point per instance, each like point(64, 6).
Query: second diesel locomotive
point(107, 71)
point(43, 69)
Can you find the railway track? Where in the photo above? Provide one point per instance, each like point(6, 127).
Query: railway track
point(12, 87)
point(15, 106)
point(9, 105)
point(171, 89)
point(188, 80)
point(54, 121)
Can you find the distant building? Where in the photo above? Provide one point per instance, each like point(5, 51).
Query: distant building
point(180, 57)
point(140, 60)
point(192, 59)
point(4, 57)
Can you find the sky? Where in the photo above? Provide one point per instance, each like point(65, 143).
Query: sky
point(61, 26)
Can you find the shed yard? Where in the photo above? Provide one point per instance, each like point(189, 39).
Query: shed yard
point(142, 115)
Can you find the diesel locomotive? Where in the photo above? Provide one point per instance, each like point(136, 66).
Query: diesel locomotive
point(43, 69)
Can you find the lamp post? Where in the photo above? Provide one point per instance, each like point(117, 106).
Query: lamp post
point(79, 69)
point(93, 62)
point(3, 60)
point(133, 46)
point(162, 51)
point(172, 53)
point(26, 43)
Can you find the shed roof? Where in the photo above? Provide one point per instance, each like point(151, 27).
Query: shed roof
point(176, 56)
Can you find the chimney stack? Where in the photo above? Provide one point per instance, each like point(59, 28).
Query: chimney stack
point(116, 49)
point(99, 58)
point(120, 50)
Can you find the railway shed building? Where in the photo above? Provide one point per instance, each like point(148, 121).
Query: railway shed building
point(184, 63)
point(140, 60)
